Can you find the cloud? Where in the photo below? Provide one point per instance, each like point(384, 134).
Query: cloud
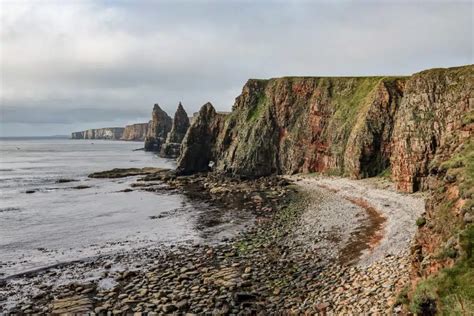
point(110, 61)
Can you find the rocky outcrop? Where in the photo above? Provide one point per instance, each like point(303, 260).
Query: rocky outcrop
point(112, 133)
point(198, 149)
point(171, 148)
point(135, 132)
point(158, 129)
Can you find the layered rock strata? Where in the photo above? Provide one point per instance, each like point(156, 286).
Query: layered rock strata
point(171, 148)
point(158, 129)
point(135, 132)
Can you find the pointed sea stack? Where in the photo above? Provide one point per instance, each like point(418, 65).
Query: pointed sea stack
point(179, 128)
point(158, 129)
point(198, 146)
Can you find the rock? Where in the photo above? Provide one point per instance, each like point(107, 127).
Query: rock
point(468, 217)
point(242, 297)
point(182, 305)
point(158, 129)
point(75, 304)
point(169, 308)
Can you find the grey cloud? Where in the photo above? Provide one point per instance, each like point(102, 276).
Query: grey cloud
point(110, 61)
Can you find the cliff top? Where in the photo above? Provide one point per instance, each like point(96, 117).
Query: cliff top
point(463, 67)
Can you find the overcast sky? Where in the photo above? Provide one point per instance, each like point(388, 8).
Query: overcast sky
point(73, 65)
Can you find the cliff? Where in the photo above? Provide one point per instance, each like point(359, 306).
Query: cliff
point(158, 129)
point(180, 125)
point(135, 132)
point(418, 129)
point(291, 125)
point(113, 133)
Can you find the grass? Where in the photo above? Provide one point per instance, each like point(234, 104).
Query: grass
point(451, 290)
point(386, 173)
point(257, 111)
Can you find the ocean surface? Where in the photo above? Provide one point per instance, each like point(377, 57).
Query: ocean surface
point(60, 223)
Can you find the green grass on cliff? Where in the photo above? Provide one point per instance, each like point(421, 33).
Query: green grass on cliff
point(257, 111)
point(349, 100)
point(451, 289)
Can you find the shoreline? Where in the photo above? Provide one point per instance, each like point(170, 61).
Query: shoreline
point(283, 263)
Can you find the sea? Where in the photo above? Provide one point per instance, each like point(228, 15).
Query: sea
point(45, 221)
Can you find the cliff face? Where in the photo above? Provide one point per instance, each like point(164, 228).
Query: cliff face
point(292, 125)
point(357, 127)
point(171, 148)
point(158, 129)
point(135, 132)
point(113, 133)
point(430, 117)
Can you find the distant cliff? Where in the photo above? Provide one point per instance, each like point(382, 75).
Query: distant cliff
point(113, 133)
point(135, 132)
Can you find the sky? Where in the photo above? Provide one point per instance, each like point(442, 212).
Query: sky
point(72, 65)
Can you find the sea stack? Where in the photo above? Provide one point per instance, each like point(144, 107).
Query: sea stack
point(198, 146)
point(158, 129)
point(171, 148)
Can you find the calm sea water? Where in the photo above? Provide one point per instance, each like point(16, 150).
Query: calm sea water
point(59, 223)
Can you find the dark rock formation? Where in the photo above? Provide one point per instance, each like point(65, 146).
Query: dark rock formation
point(198, 146)
point(179, 128)
point(158, 129)
point(135, 132)
point(113, 133)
